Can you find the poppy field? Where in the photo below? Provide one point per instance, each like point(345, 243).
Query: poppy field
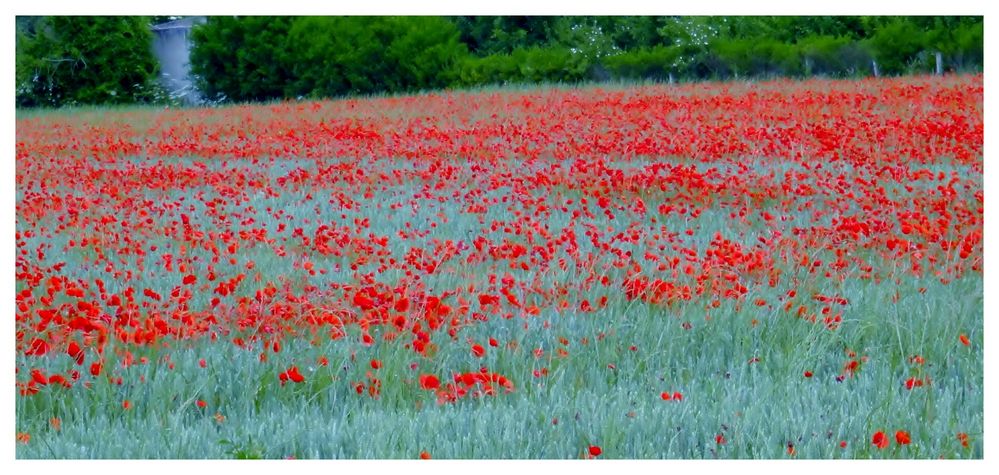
point(718, 270)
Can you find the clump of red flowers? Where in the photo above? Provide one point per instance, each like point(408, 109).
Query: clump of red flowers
point(476, 383)
point(291, 374)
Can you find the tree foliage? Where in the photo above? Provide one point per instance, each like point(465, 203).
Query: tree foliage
point(242, 58)
point(261, 58)
point(67, 60)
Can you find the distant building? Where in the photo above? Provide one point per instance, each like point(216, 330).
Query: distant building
point(172, 47)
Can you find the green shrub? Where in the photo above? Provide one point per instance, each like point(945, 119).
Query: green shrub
point(896, 44)
point(525, 65)
point(423, 53)
point(260, 58)
point(646, 63)
point(828, 55)
point(241, 59)
point(65, 60)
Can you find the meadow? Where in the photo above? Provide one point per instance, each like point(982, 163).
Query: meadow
point(783, 269)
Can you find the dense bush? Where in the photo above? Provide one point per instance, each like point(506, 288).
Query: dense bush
point(259, 58)
point(758, 57)
point(524, 65)
point(243, 59)
point(489, 35)
point(829, 55)
point(66, 60)
point(334, 55)
point(655, 63)
point(896, 45)
point(423, 53)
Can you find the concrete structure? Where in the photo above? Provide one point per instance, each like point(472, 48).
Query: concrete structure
point(172, 47)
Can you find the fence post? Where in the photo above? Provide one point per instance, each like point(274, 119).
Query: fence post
point(874, 66)
point(939, 56)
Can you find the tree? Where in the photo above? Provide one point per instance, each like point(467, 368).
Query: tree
point(656, 63)
point(632, 32)
point(66, 60)
point(829, 55)
point(958, 39)
point(896, 42)
point(424, 52)
point(241, 59)
point(486, 35)
point(332, 56)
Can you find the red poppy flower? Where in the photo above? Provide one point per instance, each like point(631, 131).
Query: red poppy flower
point(75, 352)
point(39, 377)
point(425, 455)
point(880, 440)
point(363, 301)
point(429, 382)
point(964, 340)
point(478, 351)
point(37, 347)
point(902, 437)
point(59, 379)
point(595, 451)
